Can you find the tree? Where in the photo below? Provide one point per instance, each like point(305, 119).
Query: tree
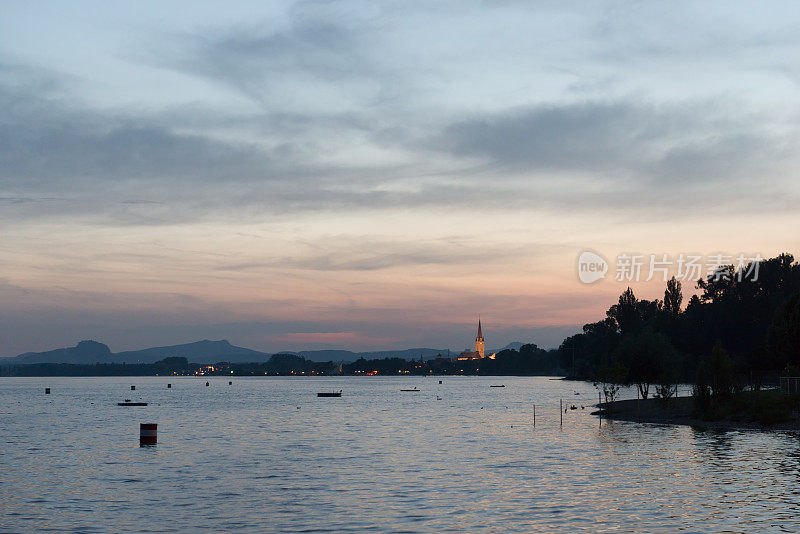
point(625, 312)
point(610, 379)
point(589, 349)
point(650, 359)
point(721, 373)
point(666, 382)
point(701, 392)
point(740, 309)
point(631, 314)
point(637, 359)
point(784, 335)
point(673, 297)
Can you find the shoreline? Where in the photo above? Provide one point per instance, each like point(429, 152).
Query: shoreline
point(679, 412)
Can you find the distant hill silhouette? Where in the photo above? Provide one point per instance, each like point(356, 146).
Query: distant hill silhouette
point(83, 352)
point(514, 345)
point(204, 351)
point(89, 352)
point(208, 351)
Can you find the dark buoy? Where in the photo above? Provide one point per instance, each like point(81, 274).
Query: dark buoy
point(230, 383)
point(440, 381)
point(133, 388)
point(47, 391)
point(169, 386)
point(206, 384)
point(148, 434)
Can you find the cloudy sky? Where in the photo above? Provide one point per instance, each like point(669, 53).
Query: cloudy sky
point(369, 175)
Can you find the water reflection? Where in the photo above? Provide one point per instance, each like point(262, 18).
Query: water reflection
point(247, 459)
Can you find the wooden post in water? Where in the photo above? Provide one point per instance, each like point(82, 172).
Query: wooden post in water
point(534, 415)
point(561, 411)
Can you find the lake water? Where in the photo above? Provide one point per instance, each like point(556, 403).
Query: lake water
point(267, 455)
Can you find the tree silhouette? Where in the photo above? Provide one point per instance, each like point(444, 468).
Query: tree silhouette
point(673, 297)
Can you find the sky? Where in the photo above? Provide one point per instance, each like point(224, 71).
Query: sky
point(366, 175)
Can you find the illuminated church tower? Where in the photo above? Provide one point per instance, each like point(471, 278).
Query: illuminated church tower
point(479, 348)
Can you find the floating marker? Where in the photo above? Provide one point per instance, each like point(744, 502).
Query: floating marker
point(440, 381)
point(230, 383)
point(148, 434)
point(47, 391)
point(133, 388)
point(169, 386)
point(206, 384)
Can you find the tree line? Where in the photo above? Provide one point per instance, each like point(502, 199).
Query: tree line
point(737, 330)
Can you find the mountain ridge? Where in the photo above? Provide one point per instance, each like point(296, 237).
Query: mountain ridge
point(210, 351)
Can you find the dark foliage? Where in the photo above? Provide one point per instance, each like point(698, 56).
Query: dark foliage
point(756, 323)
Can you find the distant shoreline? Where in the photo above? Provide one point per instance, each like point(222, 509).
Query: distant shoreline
point(679, 412)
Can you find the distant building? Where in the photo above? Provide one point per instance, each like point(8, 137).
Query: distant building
point(479, 345)
point(479, 351)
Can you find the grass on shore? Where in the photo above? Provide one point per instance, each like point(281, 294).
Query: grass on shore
point(767, 407)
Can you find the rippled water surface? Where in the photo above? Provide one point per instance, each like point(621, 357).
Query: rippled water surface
point(267, 455)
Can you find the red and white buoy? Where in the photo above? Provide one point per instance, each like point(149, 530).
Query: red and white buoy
point(148, 433)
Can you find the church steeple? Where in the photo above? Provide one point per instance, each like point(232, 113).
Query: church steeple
point(479, 345)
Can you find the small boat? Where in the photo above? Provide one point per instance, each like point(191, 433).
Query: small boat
point(330, 393)
point(497, 386)
point(413, 390)
point(129, 403)
point(573, 407)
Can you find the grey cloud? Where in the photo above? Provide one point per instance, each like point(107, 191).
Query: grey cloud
point(41, 144)
point(367, 253)
point(59, 159)
point(644, 143)
point(563, 137)
point(320, 46)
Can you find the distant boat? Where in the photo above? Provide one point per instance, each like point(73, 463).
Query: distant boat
point(497, 386)
point(330, 393)
point(414, 390)
point(129, 403)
